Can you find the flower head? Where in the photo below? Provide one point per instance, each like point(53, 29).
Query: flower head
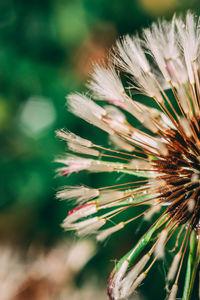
point(164, 152)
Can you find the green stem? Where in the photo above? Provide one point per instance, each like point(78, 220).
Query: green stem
point(192, 265)
point(145, 239)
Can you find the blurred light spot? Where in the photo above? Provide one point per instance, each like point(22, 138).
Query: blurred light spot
point(157, 7)
point(37, 115)
point(80, 254)
point(70, 21)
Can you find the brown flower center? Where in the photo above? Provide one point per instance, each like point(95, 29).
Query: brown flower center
point(180, 170)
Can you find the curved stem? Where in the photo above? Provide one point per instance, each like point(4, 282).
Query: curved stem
point(192, 265)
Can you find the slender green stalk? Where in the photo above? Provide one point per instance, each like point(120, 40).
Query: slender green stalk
point(135, 251)
point(192, 264)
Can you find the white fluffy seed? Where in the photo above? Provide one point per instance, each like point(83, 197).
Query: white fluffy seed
point(82, 150)
point(195, 177)
point(97, 166)
point(71, 137)
point(133, 274)
point(186, 127)
point(174, 267)
point(107, 232)
point(108, 196)
point(118, 277)
point(160, 246)
point(154, 209)
point(136, 284)
point(81, 193)
point(84, 211)
point(139, 164)
point(91, 227)
point(174, 290)
point(107, 85)
point(88, 110)
point(74, 164)
point(191, 204)
point(120, 143)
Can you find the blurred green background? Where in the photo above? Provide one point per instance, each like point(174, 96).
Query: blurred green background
point(46, 51)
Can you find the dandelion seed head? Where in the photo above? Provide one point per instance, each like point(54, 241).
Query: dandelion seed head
point(163, 152)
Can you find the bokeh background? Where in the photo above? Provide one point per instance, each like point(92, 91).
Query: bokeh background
point(46, 51)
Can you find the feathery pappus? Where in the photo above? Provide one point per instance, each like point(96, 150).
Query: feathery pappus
point(163, 152)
